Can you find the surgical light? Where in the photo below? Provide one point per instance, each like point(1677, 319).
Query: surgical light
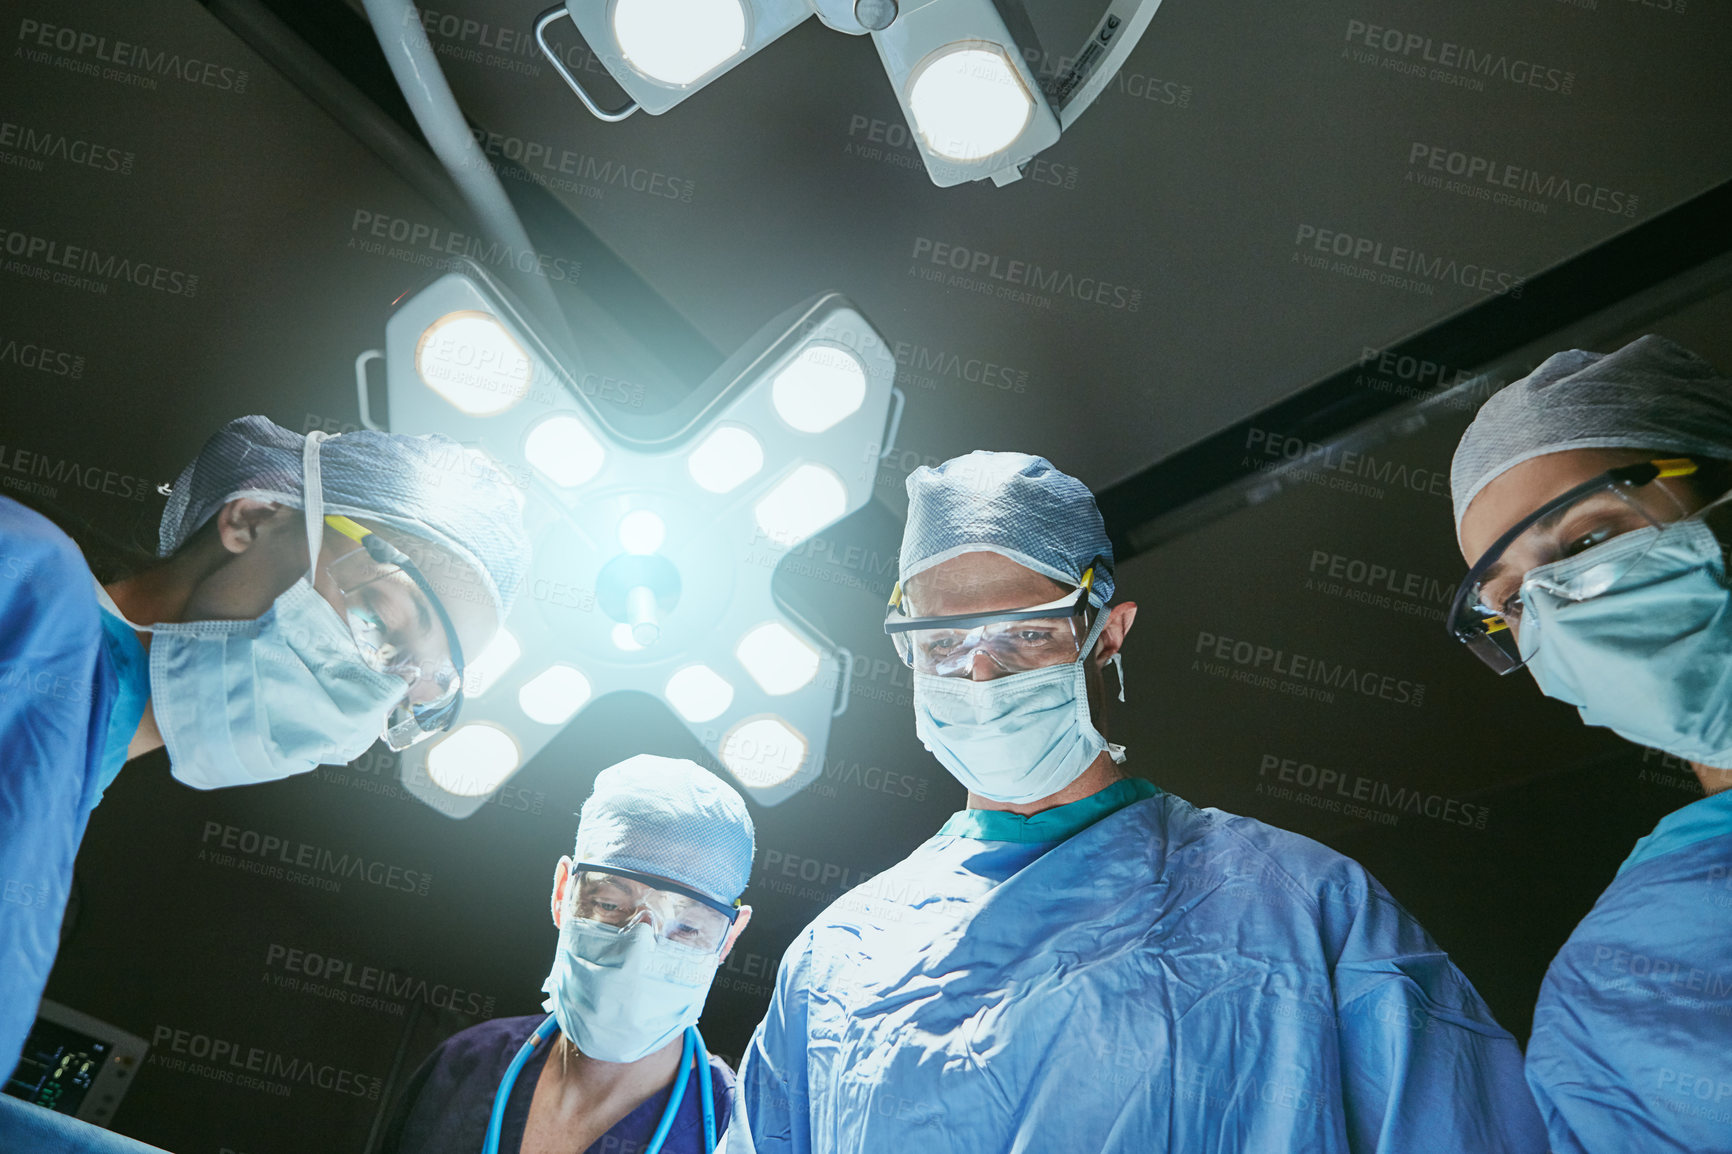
point(777, 659)
point(968, 102)
point(501, 654)
point(641, 531)
point(552, 696)
point(805, 501)
point(565, 451)
point(468, 358)
point(725, 459)
point(474, 761)
point(657, 537)
point(763, 752)
point(677, 41)
point(961, 69)
point(822, 385)
point(699, 693)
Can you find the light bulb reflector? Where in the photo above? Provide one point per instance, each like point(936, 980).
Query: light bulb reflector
point(474, 761)
point(674, 42)
point(501, 654)
point(554, 695)
point(778, 659)
point(469, 359)
point(564, 450)
point(969, 102)
point(641, 532)
point(699, 693)
point(624, 639)
point(763, 752)
point(819, 387)
point(725, 459)
point(802, 503)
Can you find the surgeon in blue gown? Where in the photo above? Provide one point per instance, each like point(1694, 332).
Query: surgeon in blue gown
point(1080, 961)
point(1592, 505)
point(254, 648)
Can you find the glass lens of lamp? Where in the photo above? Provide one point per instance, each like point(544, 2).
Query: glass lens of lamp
point(763, 752)
point(554, 695)
point(725, 459)
point(470, 360)
point(803, 502)
point(778, 659)
point(501, 654)
point(564, 450)
point(473, 761)
point(819, 387)
point(674, 42)
point(699, 693)
point(969, 102)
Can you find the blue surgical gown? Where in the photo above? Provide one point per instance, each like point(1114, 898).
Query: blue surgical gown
point(73, 684)
point(1166, 978)
point(1632, 1041)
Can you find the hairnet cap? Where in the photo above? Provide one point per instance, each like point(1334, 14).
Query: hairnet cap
point(1011, 504)
point(428, 486)
point(671, 818)
point(1651, 394)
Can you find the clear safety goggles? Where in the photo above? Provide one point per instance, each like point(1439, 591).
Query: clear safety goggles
point(401, 629)
point(679, 916)
point(1487, 611)
point(1015, 640)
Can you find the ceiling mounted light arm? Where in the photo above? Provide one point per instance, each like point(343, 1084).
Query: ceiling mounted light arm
point(1092, 68)
point(613, 116)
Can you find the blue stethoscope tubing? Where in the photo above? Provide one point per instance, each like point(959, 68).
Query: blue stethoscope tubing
point(694, 1044)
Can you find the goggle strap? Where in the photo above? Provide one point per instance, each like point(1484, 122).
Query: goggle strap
point(729, 911)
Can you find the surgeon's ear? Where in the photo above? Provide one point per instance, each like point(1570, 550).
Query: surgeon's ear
point(241, 522)
point(1119, 620)
point(561, 880)
point(737, 929)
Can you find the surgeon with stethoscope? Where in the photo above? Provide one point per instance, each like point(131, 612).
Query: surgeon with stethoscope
point(647, 907)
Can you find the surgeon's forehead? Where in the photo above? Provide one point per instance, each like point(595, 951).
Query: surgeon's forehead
point(979, 582)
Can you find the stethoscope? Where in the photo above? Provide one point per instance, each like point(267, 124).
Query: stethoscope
point(694, 1045)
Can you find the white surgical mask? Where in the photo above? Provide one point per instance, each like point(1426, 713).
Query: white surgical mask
point(249, 701)
point(1017, 738)
point(1650, 657)
point(622, 994)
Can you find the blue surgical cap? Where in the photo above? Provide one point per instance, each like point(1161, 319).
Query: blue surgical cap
point(671, 818)
point(1651, 394)
point(1011, 504)
point(428, 486)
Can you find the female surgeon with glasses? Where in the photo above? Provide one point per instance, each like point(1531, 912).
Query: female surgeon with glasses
point(310, 597)
point(1592, 504)
point(647, 907)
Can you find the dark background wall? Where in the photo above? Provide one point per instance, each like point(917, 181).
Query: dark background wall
point(1234, 130)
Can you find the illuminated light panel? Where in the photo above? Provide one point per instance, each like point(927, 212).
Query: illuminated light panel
point(969, 103)
point(802, 503)
point(469, 359)
point(553, 696)
point(564, 450)
point(725, 459)
point(763, 752)
point(473, 761)
point(699, 693)
point(778, 659)
point(676, 41)
point(501, 654)
point(641, 531)
point(820, 387)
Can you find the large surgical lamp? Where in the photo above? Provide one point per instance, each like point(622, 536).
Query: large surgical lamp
point(654, 550)
point(960, 68)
